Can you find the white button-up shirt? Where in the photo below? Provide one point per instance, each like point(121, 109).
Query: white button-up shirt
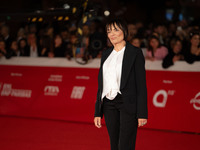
point(112, 69)
point(33, 52)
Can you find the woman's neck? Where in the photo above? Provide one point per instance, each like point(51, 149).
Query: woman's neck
point(119, 46)
point(155, 49)
point(193, 49)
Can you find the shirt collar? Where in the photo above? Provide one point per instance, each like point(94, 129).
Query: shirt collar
point(120, 51)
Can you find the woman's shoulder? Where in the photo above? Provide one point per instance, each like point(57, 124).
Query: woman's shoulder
point(163, 48)
point(107, 50)
point(133, 48)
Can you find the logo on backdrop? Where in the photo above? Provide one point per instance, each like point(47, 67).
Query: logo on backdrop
point(164, 94)
point(55, 78)
point(196, 101)
point(51, 90)
point(8, 91)
point(83, 77)
point(16, 74)
point(77, 92)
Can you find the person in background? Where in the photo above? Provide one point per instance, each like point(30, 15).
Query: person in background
point(23, 46)
point(46, 45)
point(155, 51)
point(174, 53)
point(21, 34)
point(3, 51)
point(65, 35)
point(14, 51)
point(49, 31)
point(132, 31)
point(137, 43)
point(172, 30)
point(72, 47)
point(33, 49)
point(192, 53)
point(59, 48)
point(161, 30)
point(85, 37)
point(5, 31)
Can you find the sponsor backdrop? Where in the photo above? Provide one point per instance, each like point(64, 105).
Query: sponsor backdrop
point(66, 93)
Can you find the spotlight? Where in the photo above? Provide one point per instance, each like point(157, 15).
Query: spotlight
point(106, 13)
point(60, 18)
point(84, 19)
point(40, 19)
point(66, 18)
point(74, 10)
point(66, 6)
point(34, 19)
point(38, 11)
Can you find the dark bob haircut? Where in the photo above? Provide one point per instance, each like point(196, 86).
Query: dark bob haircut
point(149, 40)
point(120, 24)
point(193, 33)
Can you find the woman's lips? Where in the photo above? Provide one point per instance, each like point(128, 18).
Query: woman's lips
point(113, 38)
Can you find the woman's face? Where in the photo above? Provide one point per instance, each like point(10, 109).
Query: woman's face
point(115, 34)
point(32, 39)
point(177, 47)
point(58, 41)
point(22, 43)
point(154, 43)
point(73, 39)
point(195, 40)
point(14, 45)
point(136, 42)
point(2, 45)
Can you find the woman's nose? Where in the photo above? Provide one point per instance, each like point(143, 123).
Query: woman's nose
point(112, 34)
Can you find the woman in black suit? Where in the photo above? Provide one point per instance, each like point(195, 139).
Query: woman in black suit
point(122, 93)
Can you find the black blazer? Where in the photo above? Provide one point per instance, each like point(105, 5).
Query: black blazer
point(133, 82)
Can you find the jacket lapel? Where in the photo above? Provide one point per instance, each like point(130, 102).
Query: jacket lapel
point(128, 59)
point(106, 54)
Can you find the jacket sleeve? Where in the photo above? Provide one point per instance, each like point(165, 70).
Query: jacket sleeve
point(99, 103)
point(140, 74)
point(98, 106)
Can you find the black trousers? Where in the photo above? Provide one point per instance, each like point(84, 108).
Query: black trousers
point(121, 126)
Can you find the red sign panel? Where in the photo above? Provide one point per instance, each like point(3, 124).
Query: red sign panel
point(70, 94)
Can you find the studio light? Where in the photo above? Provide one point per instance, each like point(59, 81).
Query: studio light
point(66, 18)
point(66, 6)
point(40, 19)
point(60, 18)
point(106, 13)
point(74, 10)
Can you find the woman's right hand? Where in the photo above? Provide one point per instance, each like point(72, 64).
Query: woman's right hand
point(97, 122)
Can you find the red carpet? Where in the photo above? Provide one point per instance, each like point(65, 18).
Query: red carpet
point(33, 134)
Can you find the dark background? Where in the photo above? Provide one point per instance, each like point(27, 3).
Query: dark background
point(16, 12)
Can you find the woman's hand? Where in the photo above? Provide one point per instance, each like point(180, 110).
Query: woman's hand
point(141, 122)
point(51, 54)
point(176, 58)
point(97, 122)
point(150, 58)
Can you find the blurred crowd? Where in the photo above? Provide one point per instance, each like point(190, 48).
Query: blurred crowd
point(169, 42)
